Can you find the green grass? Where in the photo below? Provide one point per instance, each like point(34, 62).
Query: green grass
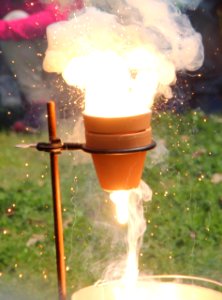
point(184, 233)
point(185, 214)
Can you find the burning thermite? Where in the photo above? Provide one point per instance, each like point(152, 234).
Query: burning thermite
point(118, 147)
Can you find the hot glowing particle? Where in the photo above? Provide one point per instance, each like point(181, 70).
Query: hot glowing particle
point(166, 194)
point(201, 177)
point(44, 273)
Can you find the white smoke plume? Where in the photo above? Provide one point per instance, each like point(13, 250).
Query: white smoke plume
point(78, 47)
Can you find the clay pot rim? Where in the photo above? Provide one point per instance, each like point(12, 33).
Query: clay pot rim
point(123, 125)
point(148, 112)
point(119, 141)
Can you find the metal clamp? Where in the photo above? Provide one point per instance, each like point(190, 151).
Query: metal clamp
point(56, 146)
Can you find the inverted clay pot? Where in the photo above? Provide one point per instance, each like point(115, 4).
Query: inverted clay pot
point(118, 171)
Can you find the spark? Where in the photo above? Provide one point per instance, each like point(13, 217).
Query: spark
point(44, 273)
point(201, 177)
point(166, 194)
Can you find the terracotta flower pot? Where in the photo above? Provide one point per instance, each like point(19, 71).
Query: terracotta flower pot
point(118, 171)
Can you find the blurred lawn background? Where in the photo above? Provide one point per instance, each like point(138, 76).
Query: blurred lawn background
point(184, 231)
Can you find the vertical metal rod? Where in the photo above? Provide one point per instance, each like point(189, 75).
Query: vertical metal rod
point(57, 207)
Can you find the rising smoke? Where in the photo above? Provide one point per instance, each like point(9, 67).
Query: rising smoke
point(155, 25)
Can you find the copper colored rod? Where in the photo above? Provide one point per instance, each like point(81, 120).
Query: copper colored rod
point(57, 207)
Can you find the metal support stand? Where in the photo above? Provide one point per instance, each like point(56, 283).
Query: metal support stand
point(57, 207)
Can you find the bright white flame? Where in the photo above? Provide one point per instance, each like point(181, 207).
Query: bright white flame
point(116, 85)
point(121, 200)
point(131, 273)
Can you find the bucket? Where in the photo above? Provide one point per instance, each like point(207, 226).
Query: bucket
point(148, 289)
